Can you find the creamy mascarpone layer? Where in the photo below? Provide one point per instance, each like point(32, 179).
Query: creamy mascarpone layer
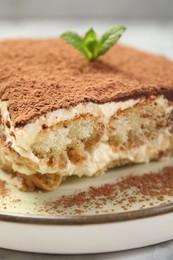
point(26, 136)
point(102, 154)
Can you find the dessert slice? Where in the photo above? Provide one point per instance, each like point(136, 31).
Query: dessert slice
point(63, 116)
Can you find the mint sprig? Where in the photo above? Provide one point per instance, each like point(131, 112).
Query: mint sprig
point(90, 45)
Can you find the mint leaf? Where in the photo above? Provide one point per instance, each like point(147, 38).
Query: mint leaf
point(91, 42)
point(89, 45)
point(77, 42)
point(109, 38)
point(90, 34)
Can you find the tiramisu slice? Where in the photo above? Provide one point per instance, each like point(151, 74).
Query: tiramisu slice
point(62, 115)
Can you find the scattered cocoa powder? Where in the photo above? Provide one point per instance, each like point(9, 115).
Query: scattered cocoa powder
point(152, 184)
point(3, 189)
point(149, 186)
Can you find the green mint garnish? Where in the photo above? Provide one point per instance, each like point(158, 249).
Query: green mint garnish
point(90, 45)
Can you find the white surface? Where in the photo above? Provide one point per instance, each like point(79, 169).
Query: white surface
point(162, 251)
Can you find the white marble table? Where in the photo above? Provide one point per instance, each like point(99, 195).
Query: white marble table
point(152, 36)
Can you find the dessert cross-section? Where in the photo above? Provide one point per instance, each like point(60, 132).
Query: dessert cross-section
point(62, 115)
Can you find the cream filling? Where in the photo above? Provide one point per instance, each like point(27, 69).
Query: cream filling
point(26, 136)
point(102, 154)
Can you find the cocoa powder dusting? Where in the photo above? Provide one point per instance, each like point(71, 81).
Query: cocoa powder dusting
point(3, 189)
point(39, 76)
point(123, 193)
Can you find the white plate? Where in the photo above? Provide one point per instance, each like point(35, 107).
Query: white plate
point(33, 222)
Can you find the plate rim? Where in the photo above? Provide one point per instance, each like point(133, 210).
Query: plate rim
point(87, 219)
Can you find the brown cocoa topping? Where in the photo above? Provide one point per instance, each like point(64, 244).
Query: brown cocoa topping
point(39, 76)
